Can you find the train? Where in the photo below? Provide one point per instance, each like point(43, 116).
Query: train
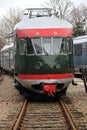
point(7, 54)
point(39, 52)
point(80, 54)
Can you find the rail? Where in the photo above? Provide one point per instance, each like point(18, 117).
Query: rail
point(21, 114)
point(40, 118)
point(67, 114)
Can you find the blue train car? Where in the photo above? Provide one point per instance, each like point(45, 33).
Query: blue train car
point(80, 52)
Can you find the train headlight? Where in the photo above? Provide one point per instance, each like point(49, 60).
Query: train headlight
point(38, 65)
point(57, 66)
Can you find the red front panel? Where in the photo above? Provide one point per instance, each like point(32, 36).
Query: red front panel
point(44, 76)
point(44, 32)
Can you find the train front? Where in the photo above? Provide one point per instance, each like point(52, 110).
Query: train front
point(43, 53)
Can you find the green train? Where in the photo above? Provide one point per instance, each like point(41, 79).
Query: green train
point(41, 53)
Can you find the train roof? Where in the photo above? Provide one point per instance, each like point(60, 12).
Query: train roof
point(80, 39)
point(8, 45)
point(41, 18)
point(40, 24)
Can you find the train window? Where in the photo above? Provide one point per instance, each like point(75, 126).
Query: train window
point(66, 46)
point(30, 48)
point(78, 49)
point(84, 47)
point(63, 46)
point(37, 45)
point(47, 45)
point(22, 46)
point(6, 54)
point(42, 45)
point(11, 54)
point(6, 58)
point(69, 45)
point(56, 45)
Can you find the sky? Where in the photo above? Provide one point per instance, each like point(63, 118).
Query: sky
point(5, 5)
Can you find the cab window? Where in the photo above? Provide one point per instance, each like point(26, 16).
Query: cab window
point(29, 48)
point(63, 46)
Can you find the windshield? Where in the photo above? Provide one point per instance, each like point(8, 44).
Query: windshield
point(45, 45)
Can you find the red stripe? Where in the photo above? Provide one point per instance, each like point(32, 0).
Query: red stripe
point(44, 32)
point(44, 76)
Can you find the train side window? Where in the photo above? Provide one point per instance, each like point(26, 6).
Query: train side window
point(30, 49)
point(66, 46)
point(78, 49)
point(63, 48)
point(6, 54)
point(74, 50)
point(69, 45)
point(47, 45)
point(37, 45)
point(6, 58)
point(11, 54)
point(22, 46)
point(56, 45)
point(84, 47)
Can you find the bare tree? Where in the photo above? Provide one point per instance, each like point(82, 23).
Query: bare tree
point(84, 16)
point(8, 21)
point(77, 18)
point(62, 6)
point(77, 15)
point(84, 11)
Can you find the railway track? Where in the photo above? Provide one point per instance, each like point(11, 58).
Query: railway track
point(50, 116)
point(38, 115)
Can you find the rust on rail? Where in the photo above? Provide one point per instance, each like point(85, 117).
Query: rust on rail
point(67, 114)
point(21, 114)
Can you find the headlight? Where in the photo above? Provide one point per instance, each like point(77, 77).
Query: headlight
point(57, 66)
point(38, 65)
